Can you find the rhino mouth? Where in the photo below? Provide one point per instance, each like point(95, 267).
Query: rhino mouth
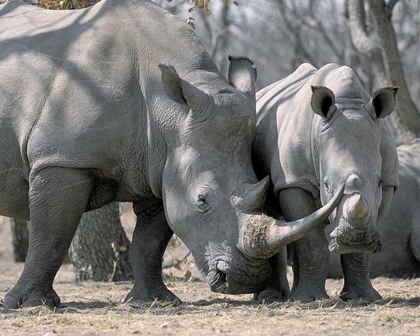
point(222, 280)
point(343, 243)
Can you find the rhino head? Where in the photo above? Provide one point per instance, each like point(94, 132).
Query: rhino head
point(210, 191)
point(350, 154)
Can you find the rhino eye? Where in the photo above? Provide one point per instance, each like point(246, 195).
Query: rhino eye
point(380, 183)
point(201, 204)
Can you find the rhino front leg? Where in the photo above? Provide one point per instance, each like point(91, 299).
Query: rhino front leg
point(278, 288)
point(58, 198)
point(357, 285)
point(150, 238)
point(309, 255)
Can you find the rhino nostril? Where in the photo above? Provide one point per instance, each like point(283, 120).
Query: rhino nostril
point(218, 283)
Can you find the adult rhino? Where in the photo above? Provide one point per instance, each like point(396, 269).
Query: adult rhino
point(91, 113)
point(400, 256)
point(318, 129)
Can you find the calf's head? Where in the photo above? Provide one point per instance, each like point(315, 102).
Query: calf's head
point(210, 191)
point(350, 154)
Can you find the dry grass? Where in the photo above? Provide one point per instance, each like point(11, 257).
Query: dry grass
point(97, 309)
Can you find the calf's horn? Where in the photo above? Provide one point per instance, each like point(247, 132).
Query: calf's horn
point(356, 209)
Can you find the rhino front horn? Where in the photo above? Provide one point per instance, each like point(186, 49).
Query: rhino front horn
point(261, 237)
point(356, 209)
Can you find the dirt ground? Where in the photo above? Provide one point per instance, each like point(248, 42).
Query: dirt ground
point(98, 309)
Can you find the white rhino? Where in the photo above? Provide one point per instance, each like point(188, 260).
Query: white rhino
point(92, 113)
point(400, 256)
point(318, 129)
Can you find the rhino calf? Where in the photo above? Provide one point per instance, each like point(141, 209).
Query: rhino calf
point(101, 105)
point(316, 130)
point(400, 256)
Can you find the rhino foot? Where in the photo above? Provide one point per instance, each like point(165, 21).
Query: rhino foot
point(163, 295)
point(309, 294)
point(17, 298)
point(271, 295)
point(366, 293)
point(357, 284)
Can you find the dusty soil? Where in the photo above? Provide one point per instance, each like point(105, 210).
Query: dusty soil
point(97, 309)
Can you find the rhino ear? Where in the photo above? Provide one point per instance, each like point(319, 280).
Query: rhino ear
point(242, 75)
point(323, 101)
point(383, 102)
point(172, 84)
point(181, 91)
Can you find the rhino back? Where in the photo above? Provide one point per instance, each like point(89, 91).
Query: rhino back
point(401, 229)
point(281, 108)
point(68, 90)
point(82, 88)
point(409, 158)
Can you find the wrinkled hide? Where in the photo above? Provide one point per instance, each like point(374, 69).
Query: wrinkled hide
point(400, 256)
point(317, 129)
point(102, 105)
point(120, 110)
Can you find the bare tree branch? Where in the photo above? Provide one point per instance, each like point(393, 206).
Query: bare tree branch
point(362, 42)
point(295, 29)
point(391, 5)
point(407, 116)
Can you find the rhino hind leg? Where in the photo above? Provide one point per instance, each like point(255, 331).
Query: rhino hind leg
point(357, 284)
point(278, 289)
point(415, 241)
point(58, 198)
point(20, 234)
point(151, 236)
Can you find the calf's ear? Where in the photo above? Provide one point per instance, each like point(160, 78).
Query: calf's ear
point(242, 74)
point(383, 102)
point(181, 91)
point(323, 101)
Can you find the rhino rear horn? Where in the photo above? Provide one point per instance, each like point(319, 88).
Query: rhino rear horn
point(251, 197)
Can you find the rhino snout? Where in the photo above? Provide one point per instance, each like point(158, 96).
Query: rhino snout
point(355, 227)
point(251, 278)
point(349, 239)
point(342, 246)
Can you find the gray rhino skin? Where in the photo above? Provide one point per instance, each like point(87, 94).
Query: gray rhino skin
point(318, 129)
point(400, 256)
point(91, 113)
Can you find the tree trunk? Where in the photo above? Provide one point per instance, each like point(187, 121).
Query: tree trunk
point(100, 247)
point(407, 121)
point(385, 60)
point(20, 234)
point(99, 250)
